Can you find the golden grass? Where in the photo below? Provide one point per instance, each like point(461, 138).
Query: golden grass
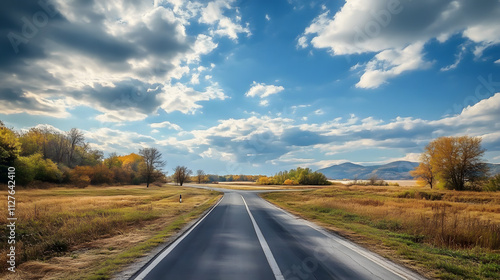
point(446, 234)
point(67, 233)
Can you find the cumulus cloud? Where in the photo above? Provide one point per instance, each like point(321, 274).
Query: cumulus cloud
point(108, 139)
point(391, 63)
point(167, 124)
point(14, 101)
point(213, 14)
point(262, 90)
point(392, 26)
point(117, 57)
point(179, 97)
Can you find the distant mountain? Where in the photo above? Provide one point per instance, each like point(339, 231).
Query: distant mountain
point(494, 168)
point(397, 170)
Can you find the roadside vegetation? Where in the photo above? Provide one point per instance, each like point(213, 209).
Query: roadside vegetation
point(71, 233)
point(44, 155)
point(299, 176)
point(454, 163)
point(443, 233)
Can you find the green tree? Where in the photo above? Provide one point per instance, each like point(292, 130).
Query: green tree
point(10, 147)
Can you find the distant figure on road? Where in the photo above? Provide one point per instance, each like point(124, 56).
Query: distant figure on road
point(180, 198)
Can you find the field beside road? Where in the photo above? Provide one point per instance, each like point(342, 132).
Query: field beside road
point(70, 233)
point(442, 234)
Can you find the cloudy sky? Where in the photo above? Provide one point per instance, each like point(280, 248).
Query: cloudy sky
point(240, 86)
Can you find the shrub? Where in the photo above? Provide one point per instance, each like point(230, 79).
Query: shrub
point(493, 184)
point(290, 182)
point(264, 181)
point(34, 167)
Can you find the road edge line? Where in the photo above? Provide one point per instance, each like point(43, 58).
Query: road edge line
point(398, 269)
point(265, 247)
point(172, 246)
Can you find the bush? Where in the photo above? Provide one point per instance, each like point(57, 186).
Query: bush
point(34, 167)
point(290, 182)
point(25, 170)
point(264, 181)
point(493, 184)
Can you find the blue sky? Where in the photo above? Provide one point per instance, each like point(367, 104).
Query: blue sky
point(251, 87)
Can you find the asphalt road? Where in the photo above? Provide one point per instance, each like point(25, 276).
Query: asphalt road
point(245, 237)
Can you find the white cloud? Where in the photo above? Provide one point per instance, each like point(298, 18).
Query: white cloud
point(121, 116)
point(262, 90)
point(319, 112)
point(380, 26)
point(179, 97)
point(13, 102)
point(203, 45)
point(166, 124)
point(391, 63)
point(213, 14)
point(498, 61)
point(268, 18)
point(458, 58)
point(302, 42)
point(112, 140)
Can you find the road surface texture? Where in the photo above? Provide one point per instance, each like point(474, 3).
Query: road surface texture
point(245, 237)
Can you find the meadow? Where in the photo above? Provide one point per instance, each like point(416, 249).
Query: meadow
point(70, 233)
point(442, 234)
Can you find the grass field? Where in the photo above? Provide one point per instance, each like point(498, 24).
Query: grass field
point(69, 233)
point(442, 234)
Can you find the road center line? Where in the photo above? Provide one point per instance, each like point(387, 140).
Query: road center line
point(171, 247)
point(265, 247)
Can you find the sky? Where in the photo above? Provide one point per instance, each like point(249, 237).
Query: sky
point(253, 86)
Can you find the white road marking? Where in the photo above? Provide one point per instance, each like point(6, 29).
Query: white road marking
point(169, 249)
point(363, 252)
point(267, 251)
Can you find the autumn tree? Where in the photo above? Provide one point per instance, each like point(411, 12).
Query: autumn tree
point(423, 172)
point(200, 175)
point(181, 174)
point(455, 161)
point(9, 145)
point(152, 164)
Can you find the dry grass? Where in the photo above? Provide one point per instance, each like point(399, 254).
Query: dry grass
point(66, 233)
point(448, 234)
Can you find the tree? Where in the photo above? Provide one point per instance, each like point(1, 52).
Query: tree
point(181, 174)
point(113, 161)
point(455, 162)
point(423, 172)
point(152, 164)
point(200, 175)
point(75, 138)
point(10, 147)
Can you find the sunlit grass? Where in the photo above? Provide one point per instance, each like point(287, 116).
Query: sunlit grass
point(66, 223)
point(446, 234)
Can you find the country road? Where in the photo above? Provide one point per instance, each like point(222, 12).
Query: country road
point(245, 237)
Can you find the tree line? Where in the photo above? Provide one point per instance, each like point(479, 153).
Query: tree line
point(298, 176)
point(43, 154)
point(455, 163)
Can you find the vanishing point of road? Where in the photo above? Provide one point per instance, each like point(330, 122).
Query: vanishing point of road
point(245, 237)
